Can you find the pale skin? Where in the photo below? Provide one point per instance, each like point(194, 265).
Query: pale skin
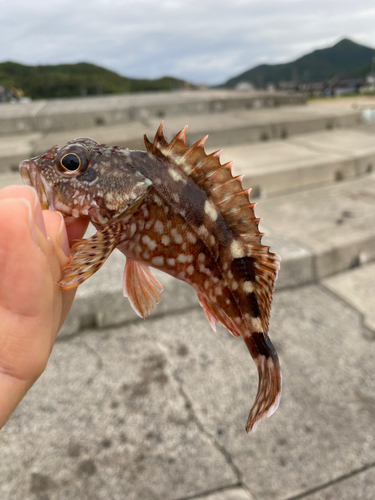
point(34, 247)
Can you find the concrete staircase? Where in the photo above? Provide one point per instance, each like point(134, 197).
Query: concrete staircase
point(156, 409)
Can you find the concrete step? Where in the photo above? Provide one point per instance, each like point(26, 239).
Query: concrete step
point(224, 129)
point(59, 114)
point(303, 161)
point(334, 223)
point(357, 288)
point(168, 399)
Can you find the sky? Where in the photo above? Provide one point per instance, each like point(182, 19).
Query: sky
point(201, 41)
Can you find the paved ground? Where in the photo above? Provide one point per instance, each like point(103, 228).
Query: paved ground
point(156, 409)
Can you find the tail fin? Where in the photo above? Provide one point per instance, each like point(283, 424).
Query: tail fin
point(269, 389)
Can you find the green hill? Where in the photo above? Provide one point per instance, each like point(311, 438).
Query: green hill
point(346, 58)
point(68, 80)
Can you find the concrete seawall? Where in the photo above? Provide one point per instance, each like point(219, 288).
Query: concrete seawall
point(65, 114)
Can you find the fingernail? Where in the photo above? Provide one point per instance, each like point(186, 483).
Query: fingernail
point(31, 220)
point(62, 237)
point(38, 216)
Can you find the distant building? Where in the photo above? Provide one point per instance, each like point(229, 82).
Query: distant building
point(348, 86)
point(335, 86)
point(313, 89)
point(288, 86)
point(244, 86)
point(271, 87)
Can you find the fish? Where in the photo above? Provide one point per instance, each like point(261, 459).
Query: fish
point(177, 209)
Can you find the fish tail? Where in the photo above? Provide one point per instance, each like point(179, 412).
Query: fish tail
point(269, 388)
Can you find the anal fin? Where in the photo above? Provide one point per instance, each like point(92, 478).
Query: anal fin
point(212, 318)
point(141, 287)
point(215, 314)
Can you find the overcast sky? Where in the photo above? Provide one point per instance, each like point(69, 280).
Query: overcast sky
point(202, 41)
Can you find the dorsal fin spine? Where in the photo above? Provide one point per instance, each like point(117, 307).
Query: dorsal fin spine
point(197, 145)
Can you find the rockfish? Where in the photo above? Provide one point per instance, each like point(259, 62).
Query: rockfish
point(176, 209)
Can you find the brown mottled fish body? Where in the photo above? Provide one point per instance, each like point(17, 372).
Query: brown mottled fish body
point(179, 210)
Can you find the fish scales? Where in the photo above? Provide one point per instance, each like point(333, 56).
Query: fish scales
point(179, 210)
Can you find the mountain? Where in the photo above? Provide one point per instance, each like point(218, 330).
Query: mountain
point(346, 58)
point(68, 80)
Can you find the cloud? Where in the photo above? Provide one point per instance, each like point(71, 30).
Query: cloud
point(204, 41)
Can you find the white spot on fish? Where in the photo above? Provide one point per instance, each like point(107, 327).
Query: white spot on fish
point(257, 325)
point(190, 270)
point(237, 250)
point(202, 230)
point(184, 258)
point(176, 176)
point(165, 240)
point(201, 257)
point(210, 210)
point(133, 229)
point(176, 197)
point(149, 242)
point(159, 226)
point(234, 285)
point(157, 200)
point(212, 240)
point(171, 262)
point(191, 238)
point(176, 236)
point(248, 287)
point(158, 261)
point(205, 270)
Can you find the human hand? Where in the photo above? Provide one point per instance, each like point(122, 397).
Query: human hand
point(34, 246)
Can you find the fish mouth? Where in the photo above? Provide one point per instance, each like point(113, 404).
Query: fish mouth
point(32, 177)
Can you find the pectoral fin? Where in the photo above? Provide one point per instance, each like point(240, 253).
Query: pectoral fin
point(141, 287)
point(87, 256)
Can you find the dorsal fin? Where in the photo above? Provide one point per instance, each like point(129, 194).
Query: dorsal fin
point(216, 179)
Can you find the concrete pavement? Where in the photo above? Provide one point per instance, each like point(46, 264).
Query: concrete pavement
point(157, 409)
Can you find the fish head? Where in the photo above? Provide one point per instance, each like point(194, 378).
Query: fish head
point(86, 179)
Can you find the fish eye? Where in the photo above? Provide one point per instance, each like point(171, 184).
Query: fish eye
point(71, 162)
